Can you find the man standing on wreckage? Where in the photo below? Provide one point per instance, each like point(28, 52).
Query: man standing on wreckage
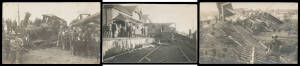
point(274, 50)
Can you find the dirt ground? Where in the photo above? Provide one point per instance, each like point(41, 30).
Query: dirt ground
point(55, 56)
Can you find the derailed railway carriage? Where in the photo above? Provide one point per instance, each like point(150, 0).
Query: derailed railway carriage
point(41, 33)
point(45, 33)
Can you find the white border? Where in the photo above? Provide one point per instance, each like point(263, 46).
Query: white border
point(149, 0)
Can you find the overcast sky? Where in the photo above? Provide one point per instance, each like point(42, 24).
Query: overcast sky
point(211, 7)
point(183, 15)
point(65, 10)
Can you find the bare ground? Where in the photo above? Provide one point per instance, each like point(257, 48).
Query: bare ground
point(55, 56)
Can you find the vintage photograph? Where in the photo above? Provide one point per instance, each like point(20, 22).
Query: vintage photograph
point(149, 33)
point(248, 33)
point(51, 33)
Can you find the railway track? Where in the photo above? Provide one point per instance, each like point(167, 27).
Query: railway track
point(152, 55)
point(148, 58)
point(185, 56)
point(148, 54)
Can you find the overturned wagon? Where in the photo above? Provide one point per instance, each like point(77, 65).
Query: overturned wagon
point(43, 33)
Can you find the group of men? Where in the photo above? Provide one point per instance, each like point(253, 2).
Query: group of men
point(80, 40)
point(118, 29)
point(14, 41)
point(11, 25)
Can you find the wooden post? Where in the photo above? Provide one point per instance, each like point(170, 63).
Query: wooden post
point(223, 17)
point(252, 56)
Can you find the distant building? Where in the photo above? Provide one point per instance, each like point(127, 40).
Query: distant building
point(162, 31)
point(130, 17)
point(160, 27)
point(113, 13)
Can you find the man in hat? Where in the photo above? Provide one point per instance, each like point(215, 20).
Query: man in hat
point(114, 29)
point(17, 48)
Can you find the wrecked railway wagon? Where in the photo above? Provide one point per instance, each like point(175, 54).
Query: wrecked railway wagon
point(89, 19)
point(44, 32)
point(236, 38)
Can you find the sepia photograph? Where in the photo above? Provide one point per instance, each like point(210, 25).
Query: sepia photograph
point(248, 33)
point(51, 33)
point(149, 33)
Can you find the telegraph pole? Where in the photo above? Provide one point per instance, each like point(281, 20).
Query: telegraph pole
point(18, 14)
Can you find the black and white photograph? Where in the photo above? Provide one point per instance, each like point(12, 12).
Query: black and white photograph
point(149, 33)
point(51, 33)
point(248, 33)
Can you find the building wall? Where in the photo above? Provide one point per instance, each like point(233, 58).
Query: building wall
point(109, 13)
point(118, 45)
point(135, 16)
point(116, 12)
point(112, 46)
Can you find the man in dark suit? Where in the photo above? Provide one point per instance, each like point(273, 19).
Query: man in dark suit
point(114, 29)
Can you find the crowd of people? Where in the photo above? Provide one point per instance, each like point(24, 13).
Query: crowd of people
point(122, 29)
point(81, 41)
point(82, 37)
point(17, 38)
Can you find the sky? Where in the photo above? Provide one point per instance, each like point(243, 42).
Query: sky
point(183, 15)
point(66, 10)
point(210, 8)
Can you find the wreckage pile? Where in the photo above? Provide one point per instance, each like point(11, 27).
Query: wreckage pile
point(259, 22)
point(30, 35)
point(43, 34)
point(233, 41)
